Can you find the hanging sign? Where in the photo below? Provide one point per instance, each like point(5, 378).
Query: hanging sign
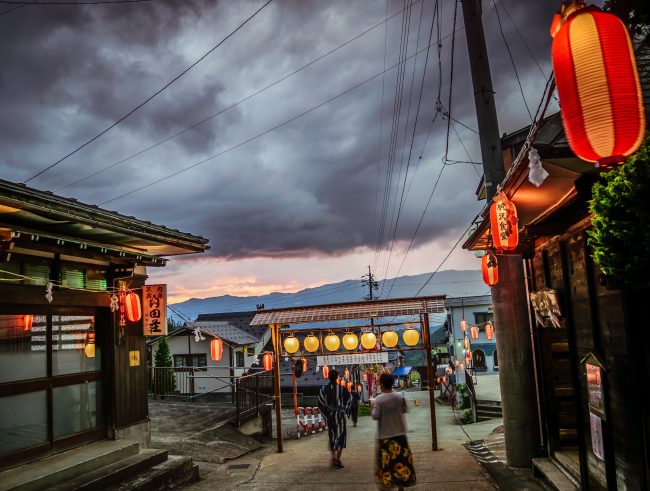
point(595, 389)
point(154, 310)
point(353, 359)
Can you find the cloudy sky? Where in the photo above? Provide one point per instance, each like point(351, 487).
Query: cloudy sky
point(290, 181)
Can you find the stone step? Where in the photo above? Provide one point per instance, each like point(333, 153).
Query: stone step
point(177, 470)
point(554, 475)
point(56, 469)
point(114, 473)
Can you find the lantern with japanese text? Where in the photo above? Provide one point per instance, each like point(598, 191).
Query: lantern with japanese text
point(267, 361)
point(350, 341)
point(489, 331)
point(410, 336)
point(133, 307)
point(28, 322)
point(503, 223)
point(490, 267)
point(216, 349)
point(369, 340)
point(311, 343)
point(389, 339)
point(332, 342)
point(326, 371)
point(291, 344)
point(597, 84)
point(474, 332)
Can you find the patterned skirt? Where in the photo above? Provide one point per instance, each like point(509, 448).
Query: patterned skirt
point(336, 430)
point(394, 463)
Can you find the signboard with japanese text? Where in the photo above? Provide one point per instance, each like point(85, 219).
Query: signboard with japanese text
point(154, 310)
point(353, 359)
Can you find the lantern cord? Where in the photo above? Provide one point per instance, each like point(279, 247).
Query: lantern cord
point(163, 88)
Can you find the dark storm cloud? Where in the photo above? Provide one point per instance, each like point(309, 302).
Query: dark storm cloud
point(307, 188)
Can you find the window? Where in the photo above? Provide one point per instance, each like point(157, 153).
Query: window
point(496, 360)
point(198, 360)
point(478, 358)
point(239, 359)
point(480, 318)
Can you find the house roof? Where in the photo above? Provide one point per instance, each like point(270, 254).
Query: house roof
point(226, 331)
point(242, 320)
point(30, 212)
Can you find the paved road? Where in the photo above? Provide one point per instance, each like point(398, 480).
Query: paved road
point(305, 462)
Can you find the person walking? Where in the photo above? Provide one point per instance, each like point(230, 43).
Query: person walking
point(354, 408)
point(394, 460)
point(335, 402)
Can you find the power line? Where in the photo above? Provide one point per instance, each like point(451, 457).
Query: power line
point(96, 2)
point(11, 9)
point(113, 125)
point(233, 105)
point(259, 135)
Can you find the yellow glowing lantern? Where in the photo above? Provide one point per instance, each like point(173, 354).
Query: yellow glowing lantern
point(89, 348)
point(368, 340)
point(311, 343)
point(389, 339)
point(291, 344)
point(411, 336)
point(332, 342)
point(350, 341)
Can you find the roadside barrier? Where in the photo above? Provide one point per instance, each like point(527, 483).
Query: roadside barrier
point(310, 418)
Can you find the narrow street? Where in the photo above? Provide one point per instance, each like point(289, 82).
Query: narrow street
point(305, 462)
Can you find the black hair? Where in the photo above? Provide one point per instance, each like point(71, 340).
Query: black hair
point(386, 380)
point(333, 375)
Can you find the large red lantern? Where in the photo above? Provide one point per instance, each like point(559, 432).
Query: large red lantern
point(267, 361)
point(474, 332)
point(133, 307)
point(503, 221)
point(490, 267)
point(216, 349)
point(28, 322)
point(598, 86)
point(489, 331)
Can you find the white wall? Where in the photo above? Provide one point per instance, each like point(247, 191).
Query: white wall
point(457, 334)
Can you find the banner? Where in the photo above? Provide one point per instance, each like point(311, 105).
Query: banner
point(154, 310)
point(353, 359)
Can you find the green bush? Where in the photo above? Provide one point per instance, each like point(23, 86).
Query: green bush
point(364, 410)
point(620, 236)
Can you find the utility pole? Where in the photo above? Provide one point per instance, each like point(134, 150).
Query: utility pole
point(368, 279)
point(509, 297)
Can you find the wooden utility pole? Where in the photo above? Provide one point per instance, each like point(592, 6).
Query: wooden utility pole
point(426, 341)
point(277, 389)
point(509, 296)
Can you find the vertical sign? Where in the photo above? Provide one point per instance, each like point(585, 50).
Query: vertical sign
point(597, 445)
point(154, 310)
point(595, 390)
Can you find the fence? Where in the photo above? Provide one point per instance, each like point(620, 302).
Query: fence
point(188, 382)
point(252, 392)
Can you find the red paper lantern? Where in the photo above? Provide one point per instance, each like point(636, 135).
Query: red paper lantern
point(216, 349)
point(503, 222)
point(133, 307)
point(326, 371)
point(474, 332)
point(490, 268)
point(304, 364)
point(350, 386)
point(463, 325)
point(28, 322)
point(267, 360)
point(598, 86)
point(466, 343)
point(489, 331)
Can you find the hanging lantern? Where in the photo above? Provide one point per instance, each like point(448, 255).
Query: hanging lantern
point(466, 342)
point(133, 307)
point(474, 332)
point(311, 343)
point(216, 349)
point(503, 223)
point(463, 325)
point(267, 360)
point(304, 364)
point(349, 386)
point(598, 85)
point(489, 331)
point(369, 340)
point(326, 371)
point(89, 345)
point(291, 344)
point(490, 267)
point(389, 339)
point(438, 380)
point(411, 336)
point(350, 341)
point(28, 322)
point(468, 355)
point(359, 389)
point(332, 342)
point(445, 379)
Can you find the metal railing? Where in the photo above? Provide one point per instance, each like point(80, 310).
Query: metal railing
point(252, 392)
point(187, 382)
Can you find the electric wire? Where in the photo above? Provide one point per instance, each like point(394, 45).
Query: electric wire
point(159, 91)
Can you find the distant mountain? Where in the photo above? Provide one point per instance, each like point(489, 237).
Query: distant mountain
point(452, 283)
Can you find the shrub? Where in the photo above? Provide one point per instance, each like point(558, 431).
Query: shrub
point(467, 417)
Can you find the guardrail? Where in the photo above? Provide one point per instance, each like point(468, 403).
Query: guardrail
point(252, 392)
point(188, 382)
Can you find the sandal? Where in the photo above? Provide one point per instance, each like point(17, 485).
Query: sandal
point(338, 464)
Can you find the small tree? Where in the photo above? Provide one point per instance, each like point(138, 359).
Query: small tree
point(164, 379)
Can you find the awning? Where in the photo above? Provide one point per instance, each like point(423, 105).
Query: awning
point(401, 371)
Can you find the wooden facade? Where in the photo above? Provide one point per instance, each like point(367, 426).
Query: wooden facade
point(56, 392)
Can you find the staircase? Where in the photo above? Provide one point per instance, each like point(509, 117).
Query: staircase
point(487, 410)
point(104, 465)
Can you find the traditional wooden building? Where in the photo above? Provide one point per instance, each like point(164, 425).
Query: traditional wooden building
point(590, 341)
point(69, 374)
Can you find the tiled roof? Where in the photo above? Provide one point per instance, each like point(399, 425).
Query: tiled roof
point(225, 331)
